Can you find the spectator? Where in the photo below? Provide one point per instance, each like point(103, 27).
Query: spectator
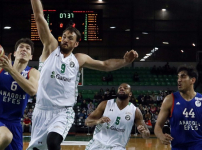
point(79, 98)
point(91, 105)
point(29, 114)
point(153, 97)
point(153, 109)
point(107, 96)
point(156, 115)
point(84, 105)
point(82, 115)
point(101, 93)
point(90, 110)
point(26, 124)
point(97, 97)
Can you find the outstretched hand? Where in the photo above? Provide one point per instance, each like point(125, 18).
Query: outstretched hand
point(130, 56)
point(6, 62)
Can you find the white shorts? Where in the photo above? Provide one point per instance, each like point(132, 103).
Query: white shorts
point(45, 121)
point(96, 145)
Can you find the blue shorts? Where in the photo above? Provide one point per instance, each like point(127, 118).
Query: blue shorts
point(197, 146)
point(16, 130)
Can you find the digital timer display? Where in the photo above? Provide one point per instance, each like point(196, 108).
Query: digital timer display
point(89, 23)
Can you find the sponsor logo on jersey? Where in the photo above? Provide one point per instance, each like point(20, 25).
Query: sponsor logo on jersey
point(53, 74)
point(127, 117)
point(178, 103)
point(58, 76)
point(198, 103)
point(12, 97)
point(189, 125)
point(6, 73)
point(116, 129)
point(72, 64)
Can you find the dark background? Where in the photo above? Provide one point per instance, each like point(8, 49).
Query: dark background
point(180, 25)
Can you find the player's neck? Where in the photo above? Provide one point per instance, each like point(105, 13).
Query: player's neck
point(188, 95)
point(122, 104)
point(19, 66)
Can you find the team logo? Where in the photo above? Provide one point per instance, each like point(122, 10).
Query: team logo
point(127, 117)
point(53, 74)
point(72, 64)
point(198, 103)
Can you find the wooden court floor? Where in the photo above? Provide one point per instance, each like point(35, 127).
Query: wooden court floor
point(79, 142)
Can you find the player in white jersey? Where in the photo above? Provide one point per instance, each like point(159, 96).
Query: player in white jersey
point(114, 120)
point(53, 115)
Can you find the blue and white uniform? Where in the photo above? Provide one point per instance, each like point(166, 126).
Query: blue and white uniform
point(13, 100)
point(186, 123)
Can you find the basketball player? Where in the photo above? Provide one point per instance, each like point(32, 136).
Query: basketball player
point(184, 110)
point(114, 120)
point(53, 115)
point(17, 82)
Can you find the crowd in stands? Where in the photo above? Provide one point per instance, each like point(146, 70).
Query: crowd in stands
point(149, 104)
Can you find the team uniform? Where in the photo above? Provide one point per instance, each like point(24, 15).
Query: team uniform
point(186, 123)
point(56, 95)
point(115, 134)
point(13, 100)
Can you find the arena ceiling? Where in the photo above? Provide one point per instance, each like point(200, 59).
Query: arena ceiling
point(142, 25)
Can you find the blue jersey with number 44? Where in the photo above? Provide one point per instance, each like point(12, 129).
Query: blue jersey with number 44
point(186, 121)
point(13, 99)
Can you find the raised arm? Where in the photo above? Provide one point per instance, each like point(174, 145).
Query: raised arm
point(96, 116)
point(30, 85)
point(141, 126)
point(48, 40)
point(162, 117)
point(107, 65)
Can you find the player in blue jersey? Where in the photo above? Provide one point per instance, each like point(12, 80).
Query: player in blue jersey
point(17, 82)
point(184, 110)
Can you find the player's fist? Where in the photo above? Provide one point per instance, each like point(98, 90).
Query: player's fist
point(141, 129)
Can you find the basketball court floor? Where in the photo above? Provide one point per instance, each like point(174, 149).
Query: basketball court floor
point(79, 142)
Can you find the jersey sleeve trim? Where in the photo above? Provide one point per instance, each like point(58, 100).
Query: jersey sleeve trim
point(172, 106)
point(28, 73)
point(1, 70)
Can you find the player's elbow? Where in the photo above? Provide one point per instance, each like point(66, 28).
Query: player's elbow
point(32, 92)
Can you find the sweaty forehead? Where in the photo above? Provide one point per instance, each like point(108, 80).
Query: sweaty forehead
point(68, 33)
point(182, 73)
point(24, 44)
point(124, 85)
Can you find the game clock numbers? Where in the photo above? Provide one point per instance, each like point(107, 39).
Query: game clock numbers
point(88, 22)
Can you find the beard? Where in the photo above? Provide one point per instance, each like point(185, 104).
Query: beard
point(65, 49)
point(122, 97)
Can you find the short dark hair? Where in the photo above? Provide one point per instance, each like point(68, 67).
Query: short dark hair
point(27, 41)
point(191, 71)
point(72, 29)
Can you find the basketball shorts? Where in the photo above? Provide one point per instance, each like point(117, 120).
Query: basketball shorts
point(45, 121)
point(96, 145)
point(16, 130)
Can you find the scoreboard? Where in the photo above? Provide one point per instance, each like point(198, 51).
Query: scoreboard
point(88, 22)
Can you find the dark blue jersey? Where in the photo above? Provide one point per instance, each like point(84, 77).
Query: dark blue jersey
point(13, 99)
point(186, 121)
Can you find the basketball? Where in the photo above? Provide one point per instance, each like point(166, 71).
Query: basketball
point(1, 51)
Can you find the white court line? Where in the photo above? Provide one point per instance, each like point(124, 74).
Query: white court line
point(74, 143)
